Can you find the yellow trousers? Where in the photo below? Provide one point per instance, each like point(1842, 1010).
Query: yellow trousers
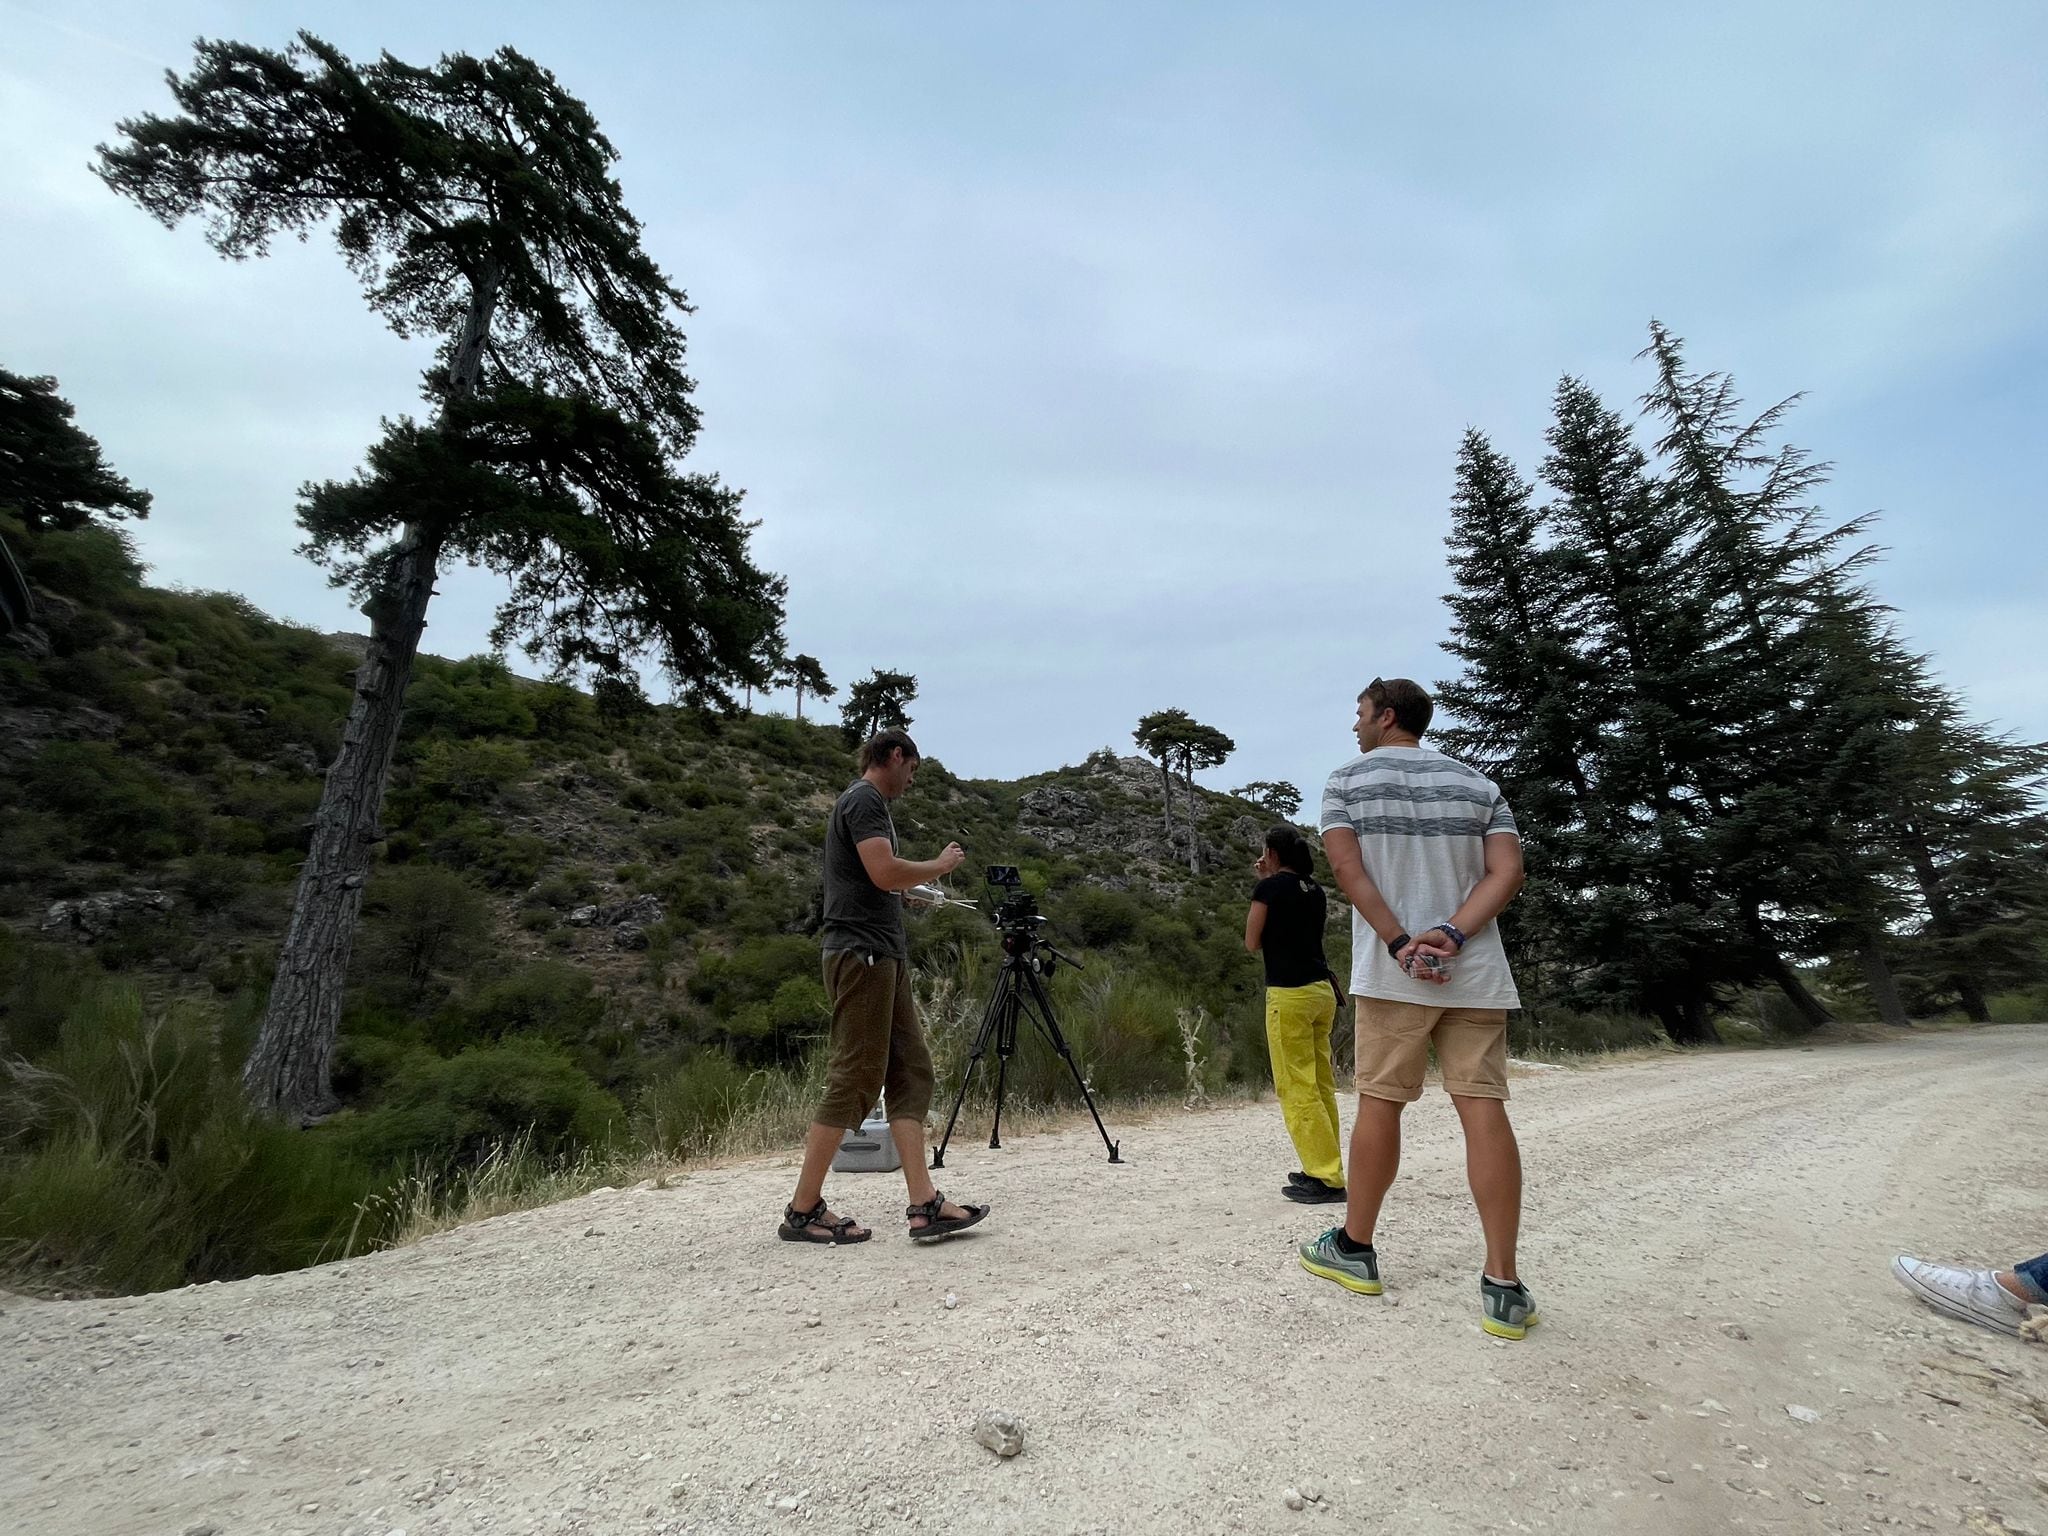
point(1298, 1021)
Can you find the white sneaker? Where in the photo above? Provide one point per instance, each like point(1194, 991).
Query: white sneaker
point(1974, 1295)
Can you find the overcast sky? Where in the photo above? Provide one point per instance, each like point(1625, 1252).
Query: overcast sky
point(1085, 360)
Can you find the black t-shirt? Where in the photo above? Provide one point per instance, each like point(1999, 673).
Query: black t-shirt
point(1293, 939)
point(860, 915)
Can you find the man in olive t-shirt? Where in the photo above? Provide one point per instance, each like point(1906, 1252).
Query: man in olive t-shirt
point(878, 1046)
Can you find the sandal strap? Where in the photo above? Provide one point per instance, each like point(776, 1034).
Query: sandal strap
point(929, 1210)
point(814, 1217)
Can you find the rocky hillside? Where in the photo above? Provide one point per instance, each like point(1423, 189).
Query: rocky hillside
point(161, 753)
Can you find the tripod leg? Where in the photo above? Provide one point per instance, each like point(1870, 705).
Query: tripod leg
point(1006, 1047)
point(995, 1127)
point(974, 1055)
point(1049, 1023)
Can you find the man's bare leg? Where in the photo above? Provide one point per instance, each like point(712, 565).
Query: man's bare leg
point(1375, 1159)
point(1493, 1164)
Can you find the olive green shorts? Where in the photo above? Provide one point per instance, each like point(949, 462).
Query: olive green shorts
point(877, 1044)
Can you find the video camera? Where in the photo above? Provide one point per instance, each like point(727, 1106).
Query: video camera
point(1012, 908)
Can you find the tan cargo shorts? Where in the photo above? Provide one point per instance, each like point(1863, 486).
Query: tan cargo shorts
point(1394, 1041)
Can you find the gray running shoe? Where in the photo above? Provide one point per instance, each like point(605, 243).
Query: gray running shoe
point(1507, 1311)
point(1358, 1272)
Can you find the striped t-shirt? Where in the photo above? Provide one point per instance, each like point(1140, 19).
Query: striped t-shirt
point(1422, 820)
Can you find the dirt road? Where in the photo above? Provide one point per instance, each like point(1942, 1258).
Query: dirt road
point(1708, 1237)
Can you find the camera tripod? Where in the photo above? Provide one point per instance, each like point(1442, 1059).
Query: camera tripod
point(1019, 994)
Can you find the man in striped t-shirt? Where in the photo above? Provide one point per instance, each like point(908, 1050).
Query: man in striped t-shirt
point(1428, 852)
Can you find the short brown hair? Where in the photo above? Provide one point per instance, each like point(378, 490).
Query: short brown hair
point(883, 745)
point(1412, 706)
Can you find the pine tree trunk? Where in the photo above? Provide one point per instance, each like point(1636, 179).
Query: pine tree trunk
point(1877, 975)
point(1687, 1022)
point(1194, 829)
point(1811, 1008)
point(288, 1070)
point(1945, 926)
point(1166, 791)
point(799, 701)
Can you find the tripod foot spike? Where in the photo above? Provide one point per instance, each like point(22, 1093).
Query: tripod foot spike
point(1113, 1151)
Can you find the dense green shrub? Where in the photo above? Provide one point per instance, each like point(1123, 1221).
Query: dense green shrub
point(571, 887)
point(561, 713)
point(279, 808)
point(753, 972)
point(120, 808)
point(423, 923)
point(34, 850)
point(691, 898)
point(715, 837)
point(620, 702)
point(212, 881)
point(39, 984)
point(797, 1013)
point(765, 904)
point(439, 1111)
point(800, 743)
point(94, 565)
point(469, 772)
point(133, 1163)
point(476, 697)
point(500, 859)
point(2030, 1007)
point(548, 998)
point(1098, 919)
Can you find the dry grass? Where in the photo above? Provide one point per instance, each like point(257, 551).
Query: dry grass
point(512, 1178)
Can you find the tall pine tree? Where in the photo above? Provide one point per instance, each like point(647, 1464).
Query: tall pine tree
point(474, 202)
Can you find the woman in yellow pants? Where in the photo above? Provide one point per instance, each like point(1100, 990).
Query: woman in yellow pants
point(1286, 924)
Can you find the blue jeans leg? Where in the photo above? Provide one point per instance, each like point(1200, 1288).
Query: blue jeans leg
point(2034, 1277)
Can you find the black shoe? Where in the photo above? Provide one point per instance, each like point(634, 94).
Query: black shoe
point(1315, 1192)
point(1298, 1177)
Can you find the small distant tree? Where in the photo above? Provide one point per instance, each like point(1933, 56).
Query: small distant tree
point(425, 922)
point(1200, 746)
point(805, 675)
point(1277, 796)
point(1158, 736)
point(474, 201)
point(765, 668)
point(878, 702)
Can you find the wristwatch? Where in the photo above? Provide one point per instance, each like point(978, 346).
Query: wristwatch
point(1396, 945)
